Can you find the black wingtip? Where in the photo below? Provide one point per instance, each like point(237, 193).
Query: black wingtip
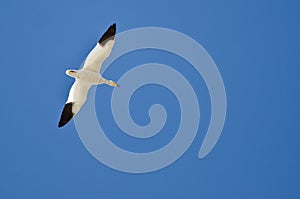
point(108, 35)
point(66, 115)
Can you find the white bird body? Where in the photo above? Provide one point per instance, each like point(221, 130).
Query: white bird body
point(89, 75)
point(86, 76)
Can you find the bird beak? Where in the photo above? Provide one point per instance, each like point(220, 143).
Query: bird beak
point(111, 83)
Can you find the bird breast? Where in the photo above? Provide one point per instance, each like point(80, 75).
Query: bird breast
point(89, 76)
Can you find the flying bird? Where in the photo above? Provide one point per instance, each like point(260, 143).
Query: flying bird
point(88, 75)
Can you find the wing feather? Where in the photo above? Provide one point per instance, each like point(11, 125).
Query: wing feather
point(101, 51)
point(77, 97)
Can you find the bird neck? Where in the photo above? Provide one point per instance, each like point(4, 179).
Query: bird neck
point(105, 81)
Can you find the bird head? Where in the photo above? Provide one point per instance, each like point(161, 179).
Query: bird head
point(112, 83)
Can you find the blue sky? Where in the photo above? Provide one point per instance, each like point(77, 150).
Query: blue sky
point(255, 45)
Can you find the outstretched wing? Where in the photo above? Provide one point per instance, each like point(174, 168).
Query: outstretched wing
point(77, 97)
point(101, 51)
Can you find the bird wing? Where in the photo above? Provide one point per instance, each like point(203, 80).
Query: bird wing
point(77, 97)
point(101, 51)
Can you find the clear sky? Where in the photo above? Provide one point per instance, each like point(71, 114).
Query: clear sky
point(255, 45)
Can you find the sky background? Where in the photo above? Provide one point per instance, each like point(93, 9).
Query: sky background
point(255, 45)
